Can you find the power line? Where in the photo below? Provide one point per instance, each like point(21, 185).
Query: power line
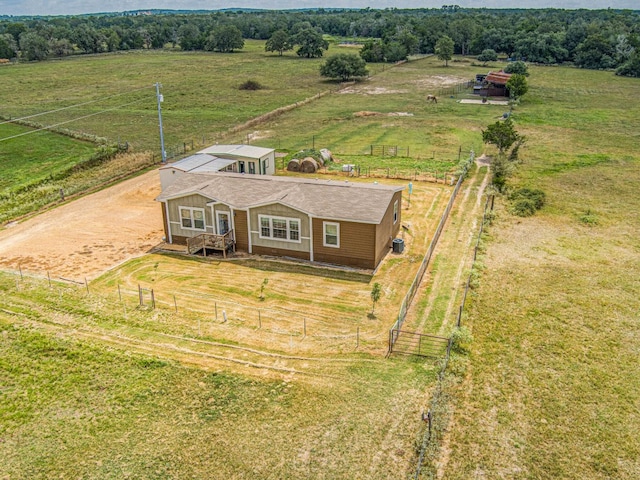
point(73, 106)
point(69, 121)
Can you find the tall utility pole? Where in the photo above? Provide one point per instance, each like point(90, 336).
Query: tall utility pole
point(160, 99)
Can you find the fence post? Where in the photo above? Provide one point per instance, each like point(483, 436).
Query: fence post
point(175, 304)
point(86, 284)
point(140, 295)
point(153, 300)
point(460, 315)
point(49, 277)
point(304, 327)
point(216, 307)
point(259, 320)
point(119, 294)
point(20, 269)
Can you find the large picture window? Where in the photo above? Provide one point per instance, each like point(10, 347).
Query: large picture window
point(192, 218)
point(280, 228)
point(331, 234)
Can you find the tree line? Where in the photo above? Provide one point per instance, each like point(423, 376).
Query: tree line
point(595, 39)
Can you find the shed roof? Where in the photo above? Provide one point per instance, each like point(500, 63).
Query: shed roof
point(199, 163)
point(246, 151)
point(330, 199)
point(498, 78)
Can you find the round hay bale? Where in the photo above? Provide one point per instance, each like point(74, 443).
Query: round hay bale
point(293, 165)
point(326, 155)
point(308, 165)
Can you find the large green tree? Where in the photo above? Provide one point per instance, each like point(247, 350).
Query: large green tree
point(518, 67)
point(502, 134)
point(372, 51)
point(631, 68)
point(279, 42)
point(444, 49)
point(344, 66)
point(488, 55)
point(310, 43)
point(225, 39)
point(8, 46)
point(517, 85)
point(33, 46)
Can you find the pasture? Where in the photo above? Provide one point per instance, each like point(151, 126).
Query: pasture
point(546, 391)
point(549, 390)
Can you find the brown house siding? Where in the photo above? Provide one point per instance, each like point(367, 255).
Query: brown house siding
point(357, 244)
point(178, 240)
point(387, 230)
point(241, 231)
point(280, 252)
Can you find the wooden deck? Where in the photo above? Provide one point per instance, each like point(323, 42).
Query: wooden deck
point(210, 241)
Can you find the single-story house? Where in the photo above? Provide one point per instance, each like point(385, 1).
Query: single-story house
point(328, 221)
point(222, 158)
point(493, 84)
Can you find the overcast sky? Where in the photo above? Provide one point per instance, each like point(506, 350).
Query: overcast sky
point(73, 7)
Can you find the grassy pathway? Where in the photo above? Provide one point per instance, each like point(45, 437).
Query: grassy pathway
point(435, 306)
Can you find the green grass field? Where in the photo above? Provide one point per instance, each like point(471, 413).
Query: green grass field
point(548, 389)
point(31, 158)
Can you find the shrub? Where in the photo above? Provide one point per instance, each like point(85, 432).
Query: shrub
point(460, 340)
point(588, 218)
point(251, 85)
point(527, 201)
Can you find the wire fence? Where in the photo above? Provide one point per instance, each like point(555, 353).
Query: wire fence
point(192, 314)
point(457, 88)
point(437, 414)
point(406, 302)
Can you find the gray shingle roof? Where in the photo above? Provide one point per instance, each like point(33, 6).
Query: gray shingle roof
point(330, 199)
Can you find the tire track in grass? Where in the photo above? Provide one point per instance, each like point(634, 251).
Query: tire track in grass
point(460, 228)
point(188, 350)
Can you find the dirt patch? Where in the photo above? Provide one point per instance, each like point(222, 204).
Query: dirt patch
point(366, 113)
point(259, 134)
point(86, 237)
point(487, 102)
point(370, 90)
point(440, 81)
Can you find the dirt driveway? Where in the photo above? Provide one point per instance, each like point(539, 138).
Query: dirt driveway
point(89, 235)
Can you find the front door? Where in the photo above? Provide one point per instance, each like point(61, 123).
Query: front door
point(223, 222)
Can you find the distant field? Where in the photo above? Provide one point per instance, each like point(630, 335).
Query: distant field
point(550, 391)
point(28, 159)
point(547, 391)
point(201, 95)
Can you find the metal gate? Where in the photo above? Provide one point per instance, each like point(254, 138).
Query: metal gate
point(413, 343)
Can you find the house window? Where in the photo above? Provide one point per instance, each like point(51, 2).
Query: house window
point(331, 234)
point(265, 227)
point(280, 228)
point(294, 230)
point(395, 212)
point(192, 218)
point(252, 167)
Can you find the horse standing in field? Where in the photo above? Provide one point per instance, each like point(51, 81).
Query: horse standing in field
point(432, 99)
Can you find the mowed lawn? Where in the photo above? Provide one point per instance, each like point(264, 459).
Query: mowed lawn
point(552, 389)
point(78, 409)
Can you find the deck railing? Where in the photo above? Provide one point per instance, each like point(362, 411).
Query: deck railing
point(212, 241)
